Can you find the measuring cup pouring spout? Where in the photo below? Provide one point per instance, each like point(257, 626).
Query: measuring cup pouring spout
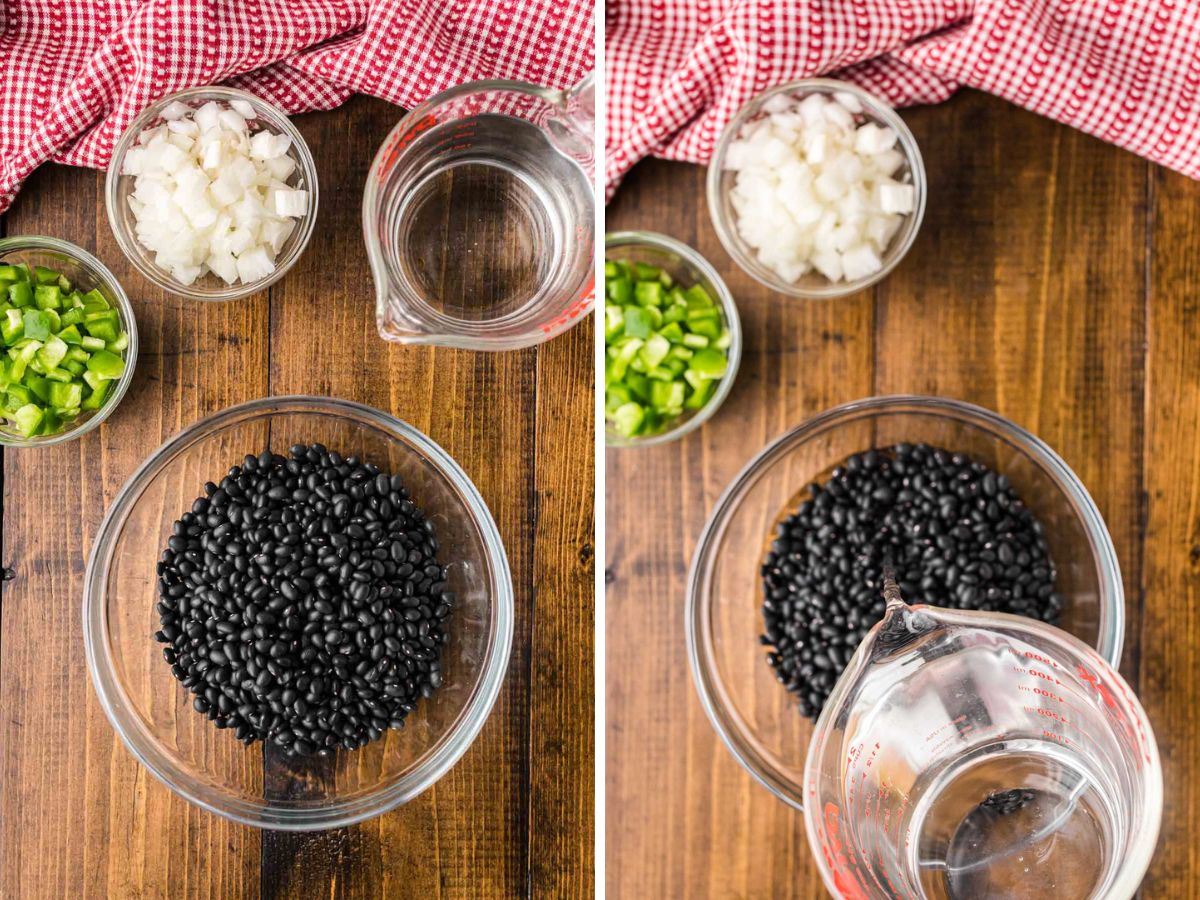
point(478, 217)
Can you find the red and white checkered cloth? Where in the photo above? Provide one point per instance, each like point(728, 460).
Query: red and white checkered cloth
point(1127, 71)
point(74, 73)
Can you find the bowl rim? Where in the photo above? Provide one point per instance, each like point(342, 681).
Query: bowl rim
point(39, 242)
point(445, 752)
point(697, 624)
point(733, 321)
point(726, 230)
point(134, 252)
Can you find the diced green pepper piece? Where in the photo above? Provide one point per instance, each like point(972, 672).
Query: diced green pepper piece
point(95, 299)
point(5, 372)
point(709, 363)
point(44, 275)
point(104, 325)
point(53, 352)
point(676, 312)
point(620, 291)
point(655, 350)
point(627, 419)
point(724, 341)
point(28, 419)
point(106, 364)
point(19, 394)
point(47, 296)
point(672, 332)
point(76, 353)
point(626, 355)
point(74, 366)
point(72, 316)
point(20, 294)
point(678, 351)
point(39, 386)
point(639, 387)
point(638, 323)
point(614, 322)
point(695, 340)
point(65, 283)
point(87, 342)
point(706, 323)
point(698, 298)
point(96, 398)
point(66, 396)
point(60, 375)
point(701, 395)
point(667, 396)
point(13, 327)
point(71, 335)
point(24, 357)
point(649, 293)
point(37, 324)
point(94, 381)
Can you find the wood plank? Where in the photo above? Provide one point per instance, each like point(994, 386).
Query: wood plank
point(1170, 690)
point(562, 681)
point(468, 836)
point(683, 819)
point(78, 816)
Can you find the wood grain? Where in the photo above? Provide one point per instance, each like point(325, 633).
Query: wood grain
point(1054, 280)
point(507, 819)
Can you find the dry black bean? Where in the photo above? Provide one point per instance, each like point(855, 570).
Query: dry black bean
point(272, 591)
point(956, 532)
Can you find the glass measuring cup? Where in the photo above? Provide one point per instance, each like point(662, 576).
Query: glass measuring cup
point(478, 217)
point(973, 755)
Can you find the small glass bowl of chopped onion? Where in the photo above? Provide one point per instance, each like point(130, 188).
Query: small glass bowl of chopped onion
point(212, 193)
point(817, 188)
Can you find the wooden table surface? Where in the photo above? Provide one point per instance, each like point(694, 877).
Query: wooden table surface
point(1056, 280)
point(78, 817)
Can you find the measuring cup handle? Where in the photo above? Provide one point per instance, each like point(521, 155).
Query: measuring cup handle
point(580, 103)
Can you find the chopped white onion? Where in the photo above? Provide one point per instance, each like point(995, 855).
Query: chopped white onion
point(210, 197)
point(816, 188)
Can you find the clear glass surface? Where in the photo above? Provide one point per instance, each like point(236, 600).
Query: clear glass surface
point(965, 754)
point(687, 267)
point(755, 716)
point(88, 272)
point(478, 217)
point(153, 713)
point(813, 286)
point(118, 187)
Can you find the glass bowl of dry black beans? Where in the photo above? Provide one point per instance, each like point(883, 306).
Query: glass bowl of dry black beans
point(974, 511)
point(298, 613)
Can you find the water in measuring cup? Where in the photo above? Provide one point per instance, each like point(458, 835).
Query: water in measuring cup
point(490, 225)
point(1018, 821)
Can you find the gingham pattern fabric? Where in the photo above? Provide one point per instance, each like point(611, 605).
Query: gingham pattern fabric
point(74, 73)
point(1127, 71)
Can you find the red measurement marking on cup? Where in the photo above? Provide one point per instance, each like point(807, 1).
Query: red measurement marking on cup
point(402, 140)
point(580, 307)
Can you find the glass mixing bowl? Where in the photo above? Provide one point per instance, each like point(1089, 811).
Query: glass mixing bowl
point(118, 186)
point(153, 713)
point(755, 716)
point(720, 181)
point(687, 267)
point(86, 272)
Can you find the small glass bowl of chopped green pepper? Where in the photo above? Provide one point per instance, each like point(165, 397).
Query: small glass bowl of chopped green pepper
point(69, 341)
point(672, 339)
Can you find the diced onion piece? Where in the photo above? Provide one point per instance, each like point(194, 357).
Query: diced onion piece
point(896, 198)
point(859, 262)
point(291, 203)
point(243, 108)
point(175, 110)
point(255, 265)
